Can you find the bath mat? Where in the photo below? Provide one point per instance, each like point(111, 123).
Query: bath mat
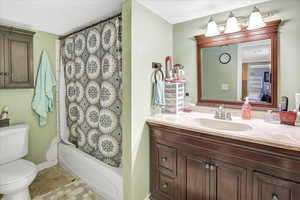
point(50, 179)
point(73, 191)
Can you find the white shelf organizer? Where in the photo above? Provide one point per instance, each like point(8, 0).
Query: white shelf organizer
point(174, 94)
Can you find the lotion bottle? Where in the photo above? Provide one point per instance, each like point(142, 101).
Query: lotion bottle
point(246, 110)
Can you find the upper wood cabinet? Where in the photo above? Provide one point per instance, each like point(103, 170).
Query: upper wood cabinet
point(16, 58)
point(1, 60)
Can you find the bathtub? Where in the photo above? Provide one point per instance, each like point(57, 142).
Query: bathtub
point(105, 180)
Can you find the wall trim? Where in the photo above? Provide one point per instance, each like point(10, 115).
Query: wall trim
point(148, 197)
point(51, 156)
point(46, 164)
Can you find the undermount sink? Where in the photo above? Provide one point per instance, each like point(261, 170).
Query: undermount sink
point(223, 125)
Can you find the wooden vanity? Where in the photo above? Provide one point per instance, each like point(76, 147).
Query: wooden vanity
point(190, 165)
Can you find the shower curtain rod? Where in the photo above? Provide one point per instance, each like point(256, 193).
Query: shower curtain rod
point(107, 19)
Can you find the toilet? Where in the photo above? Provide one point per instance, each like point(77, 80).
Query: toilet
point(16, 174)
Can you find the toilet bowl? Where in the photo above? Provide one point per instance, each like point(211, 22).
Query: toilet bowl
point(15, 178)
point(16, 174)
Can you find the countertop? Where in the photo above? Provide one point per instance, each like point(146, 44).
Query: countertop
point(271, 134)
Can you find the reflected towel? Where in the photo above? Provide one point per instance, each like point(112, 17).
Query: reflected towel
point(43, 99)
point(158, 98)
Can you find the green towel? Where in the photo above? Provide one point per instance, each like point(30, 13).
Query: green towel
point(43, 99)
point(158, 97)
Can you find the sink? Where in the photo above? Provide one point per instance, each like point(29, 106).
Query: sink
point(224, 125)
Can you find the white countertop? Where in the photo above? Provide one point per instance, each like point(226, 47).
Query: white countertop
point(271, 134)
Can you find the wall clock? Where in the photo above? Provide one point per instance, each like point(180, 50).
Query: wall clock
point(225, 58)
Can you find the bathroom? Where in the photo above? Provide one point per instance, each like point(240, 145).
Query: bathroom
point(107, 57)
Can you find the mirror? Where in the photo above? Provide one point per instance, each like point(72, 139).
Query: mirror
point(243, 69)
point(234, 66)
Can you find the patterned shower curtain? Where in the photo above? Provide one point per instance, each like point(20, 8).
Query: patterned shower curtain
point(92, 62)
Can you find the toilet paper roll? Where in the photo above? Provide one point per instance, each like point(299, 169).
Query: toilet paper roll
point(297, 96)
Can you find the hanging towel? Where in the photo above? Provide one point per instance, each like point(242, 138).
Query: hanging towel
point(43, 100)
point(158, 98)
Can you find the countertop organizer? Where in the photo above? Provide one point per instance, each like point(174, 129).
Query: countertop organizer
point(174, 94)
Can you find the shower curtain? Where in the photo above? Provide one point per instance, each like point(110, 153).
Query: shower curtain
point(92, 65)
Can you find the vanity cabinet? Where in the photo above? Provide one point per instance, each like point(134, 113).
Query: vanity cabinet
point(188, 165)
point(265, 186)
point(16, 58)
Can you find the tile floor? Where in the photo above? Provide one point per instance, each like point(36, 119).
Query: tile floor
point(48, 180)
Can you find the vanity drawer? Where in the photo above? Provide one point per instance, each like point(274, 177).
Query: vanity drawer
point(166, 186)
point(167, 159)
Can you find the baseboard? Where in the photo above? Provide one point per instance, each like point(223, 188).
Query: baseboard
point(47, 164)
point(51, 156)
point(148, 197)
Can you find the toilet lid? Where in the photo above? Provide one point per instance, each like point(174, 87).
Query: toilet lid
point(16, 171)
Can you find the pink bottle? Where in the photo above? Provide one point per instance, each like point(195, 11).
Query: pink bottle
point(246, 110)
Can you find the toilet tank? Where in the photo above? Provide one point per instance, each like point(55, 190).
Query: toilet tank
point(13, 142)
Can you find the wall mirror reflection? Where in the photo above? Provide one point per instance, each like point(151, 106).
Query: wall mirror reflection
point(234, 66)
point(243, 69)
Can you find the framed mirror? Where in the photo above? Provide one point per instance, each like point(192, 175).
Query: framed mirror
point(234, 66)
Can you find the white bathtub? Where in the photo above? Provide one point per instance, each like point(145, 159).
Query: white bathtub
point(105, 180)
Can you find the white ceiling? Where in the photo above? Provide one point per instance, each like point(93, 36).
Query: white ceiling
point(64, 16)
point(176, 11)
point(56, 16)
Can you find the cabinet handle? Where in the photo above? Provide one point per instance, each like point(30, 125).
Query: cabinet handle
point(206, 166)
point(165, 185)
point(164, 159)
point(6, 73)
point(1, 73)
point(275, 197)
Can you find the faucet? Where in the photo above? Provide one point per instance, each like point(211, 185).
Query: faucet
point(220, 113)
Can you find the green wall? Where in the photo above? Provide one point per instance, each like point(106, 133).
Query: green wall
point(215, 74)
point(19, 103)
point(126, 113)
point(289, 44)
point(150, 41)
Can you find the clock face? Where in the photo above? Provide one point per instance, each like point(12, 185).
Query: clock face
point(225, 58)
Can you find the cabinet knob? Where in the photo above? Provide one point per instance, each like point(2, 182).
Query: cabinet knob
point(1, 73)
point(164, 159)
point(6, 73)
point(165, 185)
point(206, 166)
point(275, 197)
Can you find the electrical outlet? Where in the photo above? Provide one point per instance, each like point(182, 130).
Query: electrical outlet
point(224, 86)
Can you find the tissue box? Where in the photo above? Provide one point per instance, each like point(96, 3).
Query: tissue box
point(4, 122)
point(288, 118)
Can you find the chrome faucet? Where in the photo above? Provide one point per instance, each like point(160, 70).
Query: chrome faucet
point(220, 113)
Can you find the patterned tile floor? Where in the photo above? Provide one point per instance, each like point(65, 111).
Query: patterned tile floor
point(73, 191)
point(55, 181)
point(50, 179)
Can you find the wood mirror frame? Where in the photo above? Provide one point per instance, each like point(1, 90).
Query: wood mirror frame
point(270, 31)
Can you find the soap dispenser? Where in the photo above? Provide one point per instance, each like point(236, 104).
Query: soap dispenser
point(246, 110)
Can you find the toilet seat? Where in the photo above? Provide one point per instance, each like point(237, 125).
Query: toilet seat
point(16, 175)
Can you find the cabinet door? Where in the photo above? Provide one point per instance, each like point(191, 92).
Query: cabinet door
point(18, 61)
point(272, 188)
point(197, 178)
point(1, 60)
point(163, 172)
point(227, 181)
